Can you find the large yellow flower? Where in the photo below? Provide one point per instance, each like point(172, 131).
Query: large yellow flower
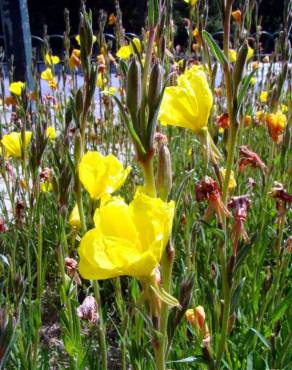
point(16, 87)
point(101, 175)
point(12, 143)
point(47, 75)
point(189, 103)
point(127, 239)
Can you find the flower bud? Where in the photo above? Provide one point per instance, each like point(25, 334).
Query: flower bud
point(133, 96)
point(164, 172)
point(197, 318)
point(88, 310)
point(77, 147)
point(239, 65)
point(86, 35)
point(155, 86)
point(79, 102)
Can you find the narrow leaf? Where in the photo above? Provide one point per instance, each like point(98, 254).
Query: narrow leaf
point(215, 49)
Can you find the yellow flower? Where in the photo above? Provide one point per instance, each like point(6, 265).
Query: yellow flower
point(191, 2)
point(137, 43)
point(12, 143)
point(232, 55)
point(46, 186)
point(284, 108)
point(252, 81)
point(77, 38)
point(111, 91)
point(52, 83)
point(250, 53)
point(74, 60)
point(47, 75)
point(236, 15)
point(101, 175)
point(260, 115)
point(189, 103)
point(52, 59)
point(101, 81)
point(126, 51)
point(51, 133)
point(276, 123)
point(232, 182)
point(16, 87)
point(74, 218)
point(127, 239)
point(112, 19)
point(264, 96)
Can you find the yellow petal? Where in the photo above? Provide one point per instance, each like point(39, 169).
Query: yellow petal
point(12, 143)
point(189, 103)
point(51, 133)
point(16, 87)
point(127, 239)
point(74, 218)
point(125, 52)
point(52, 59)
point(100, 174)
point(47, 75)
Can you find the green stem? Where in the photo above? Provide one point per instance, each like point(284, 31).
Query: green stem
point(122, 313)
point(166, 273)
point(101, 327)
point(80, 205)
point(149, 179)
point(39, 259)
point(226, 309)
point(232, 141)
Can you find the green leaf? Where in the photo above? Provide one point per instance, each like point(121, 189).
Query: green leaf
point(215, 49)
point(236, 295)
point(243, 252)
point(281, 308)
point(123, 67)
point(135, 137)
point(153, 12)
point(215, 230)
point(243, 89)
point(262, 338)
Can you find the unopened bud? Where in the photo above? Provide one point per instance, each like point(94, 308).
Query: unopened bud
point(197, 318)
point(164, 172)
point(239, 65)
point(88, 310)
point(86, 35)
point(77, 146)
point(133, 97)
point(79, 102)
point(155, 86)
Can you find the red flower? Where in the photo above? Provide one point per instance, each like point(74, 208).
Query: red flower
point(208, 189)
point(247, 157)
point(240, 206)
